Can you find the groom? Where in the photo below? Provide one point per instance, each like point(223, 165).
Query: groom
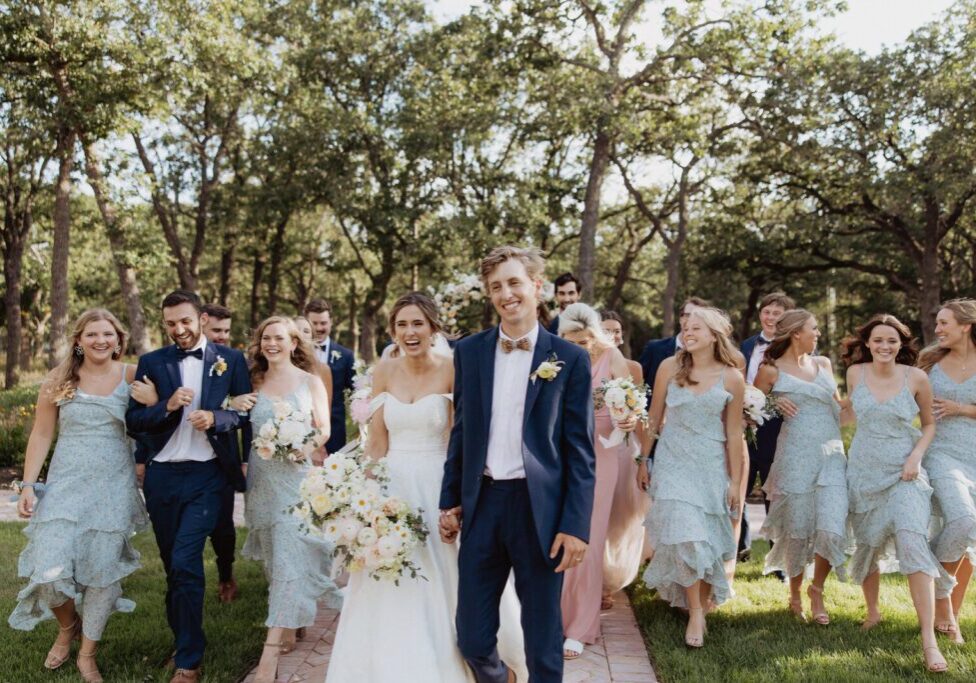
point(519, 471)
point(190, 457)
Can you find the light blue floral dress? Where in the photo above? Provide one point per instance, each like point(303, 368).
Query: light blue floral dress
point(79, 536)
point(951, 464)
point(297, 565)
point(688, 524)
point(889, 517)
point(807, 485)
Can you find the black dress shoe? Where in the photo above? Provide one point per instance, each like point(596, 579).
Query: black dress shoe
point(745, 555)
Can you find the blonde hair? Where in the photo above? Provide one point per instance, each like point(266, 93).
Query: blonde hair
point(789, 324)
point(63, 380)
point(579, 317)
point(530, 257)
point(964, 311)
point(724, 352)
point(302, 357)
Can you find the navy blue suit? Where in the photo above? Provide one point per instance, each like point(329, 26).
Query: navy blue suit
point(656, 352)
point(184, 498)
point(761, 453)
point(341, 362)
point(511, 524)
point(554, 325)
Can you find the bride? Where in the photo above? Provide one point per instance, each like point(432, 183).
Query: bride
point(406, 632)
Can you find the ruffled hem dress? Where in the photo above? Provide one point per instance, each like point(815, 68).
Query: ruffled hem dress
point(79, 537)
point(297, 564)
point(689, 525)
point(807, 485)
point(889, 518)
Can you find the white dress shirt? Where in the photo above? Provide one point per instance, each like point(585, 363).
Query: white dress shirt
point(756, 358)
point(322, 352)
point(188, 443)
point(511, 381)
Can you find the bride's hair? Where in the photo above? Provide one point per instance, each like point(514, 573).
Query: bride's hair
point(302, 357)
point(579, 317)
point(427, 307)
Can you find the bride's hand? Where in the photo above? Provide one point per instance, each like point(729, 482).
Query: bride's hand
point(449, 524)
point(144, 391)
point(244, 402)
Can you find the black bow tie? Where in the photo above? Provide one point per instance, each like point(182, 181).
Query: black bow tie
point(182, 353)
point(762, 341)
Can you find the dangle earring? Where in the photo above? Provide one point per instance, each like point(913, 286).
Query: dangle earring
point(79, 351)
point(118, 351)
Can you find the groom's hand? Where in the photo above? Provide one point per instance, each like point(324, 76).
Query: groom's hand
point(449, 524)
point(574, 549)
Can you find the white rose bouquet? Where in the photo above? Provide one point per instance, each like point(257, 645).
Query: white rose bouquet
point(288, 436)
point(756, 409)
point(625, 399)
point(455, 300)
point(345, 501)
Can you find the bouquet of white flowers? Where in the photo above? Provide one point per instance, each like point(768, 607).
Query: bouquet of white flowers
point(345, 501)
point(454, 298)
point(288, 436)
point(359, 397)
point(756, 409)
point(625, 399)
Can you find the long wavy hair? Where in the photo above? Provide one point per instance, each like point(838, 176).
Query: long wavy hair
point(964, 311)
point(64, 379)
point(856, 347)
point(302, 357)
point(789, 324)
point(723, 350)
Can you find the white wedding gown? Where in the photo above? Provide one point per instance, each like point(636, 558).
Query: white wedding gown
point(406, 633)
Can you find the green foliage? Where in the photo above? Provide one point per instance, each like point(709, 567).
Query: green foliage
point(16, 420)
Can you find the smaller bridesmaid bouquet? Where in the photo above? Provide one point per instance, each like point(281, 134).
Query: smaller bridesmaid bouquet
point(625, 400)
point(288, 436)
point(757, 407)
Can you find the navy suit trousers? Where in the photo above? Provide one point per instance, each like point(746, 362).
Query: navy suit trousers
point(184, 502)
point(501, 537)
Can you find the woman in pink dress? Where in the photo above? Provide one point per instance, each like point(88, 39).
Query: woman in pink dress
point(583, 584)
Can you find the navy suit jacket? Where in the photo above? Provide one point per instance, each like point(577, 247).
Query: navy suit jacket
point(341, 366)
point(554, 326)
point(153, 426)
point(656, 352)
point(557, 435)
point(764, 448)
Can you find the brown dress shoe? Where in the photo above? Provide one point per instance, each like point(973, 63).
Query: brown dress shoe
point(185, 676)
point(227, 591)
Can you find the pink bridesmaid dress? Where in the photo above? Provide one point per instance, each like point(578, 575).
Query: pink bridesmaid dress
point(583, 585)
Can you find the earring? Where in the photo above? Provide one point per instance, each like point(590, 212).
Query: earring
point(79, 351)
point(118, 350)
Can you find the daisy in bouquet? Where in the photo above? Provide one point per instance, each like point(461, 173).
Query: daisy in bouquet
point(625, 400)
point(288, 436)
point(757, 407)
point(346, 502)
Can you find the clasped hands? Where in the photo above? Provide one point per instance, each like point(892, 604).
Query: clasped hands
point(144, 392)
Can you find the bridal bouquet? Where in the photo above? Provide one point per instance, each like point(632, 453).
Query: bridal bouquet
point(756, 409)
point(625, 399)
point(455, 298)
point(359, 401)
point(346, 502)
point(288, 436)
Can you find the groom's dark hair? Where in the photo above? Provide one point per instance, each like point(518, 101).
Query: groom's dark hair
point(183, 296)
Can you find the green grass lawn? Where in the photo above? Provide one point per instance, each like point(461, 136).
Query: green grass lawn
point(135, 645)
point(754, 638)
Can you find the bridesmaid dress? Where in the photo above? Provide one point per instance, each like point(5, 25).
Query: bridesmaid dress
point(889, 517)
point(583, 585)
point(951, 464)
point(79, 545)
point(297, 565)
point(689, 525)
point(625, 530)
point(807, 485)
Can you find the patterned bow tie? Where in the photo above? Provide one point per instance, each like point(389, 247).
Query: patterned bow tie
point(183, 353)
point(522, 344)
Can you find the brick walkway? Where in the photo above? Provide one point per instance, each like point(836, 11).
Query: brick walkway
point(618, 657)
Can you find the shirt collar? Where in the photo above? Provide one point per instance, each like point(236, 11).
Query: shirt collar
point(532, 335)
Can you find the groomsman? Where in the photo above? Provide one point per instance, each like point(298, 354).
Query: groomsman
point(771, 309)
point(190, 456)
point(657, 350)
point(340, 360)
point(216, 321)
point(567, 292)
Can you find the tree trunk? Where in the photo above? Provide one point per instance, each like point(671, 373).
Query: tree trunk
point(353, 317)
point(367, 336)
point(227, 269)
point(60, 249)
point(277, 254)
point(257, 275)
point(930, 285)
point(586, 268)
point(128, 282)
point(675, 246)
point(13, 256)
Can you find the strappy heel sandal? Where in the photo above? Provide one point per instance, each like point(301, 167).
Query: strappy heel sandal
point(796, 608)
point(274, 675)
point(572, 649)
point(951, 631)
point(59, 654)
point(695, 641)
point(936, 667)
point(89, 672)
point(820, 617)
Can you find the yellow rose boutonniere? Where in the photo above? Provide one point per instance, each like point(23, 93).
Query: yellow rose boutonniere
point(548, 369)
point(219, 366)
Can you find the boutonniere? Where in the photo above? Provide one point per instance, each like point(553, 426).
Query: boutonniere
point(548, 369)
point(219, 366)
point(335, 355)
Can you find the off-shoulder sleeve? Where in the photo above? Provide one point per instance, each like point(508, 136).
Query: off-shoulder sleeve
point(376, 403)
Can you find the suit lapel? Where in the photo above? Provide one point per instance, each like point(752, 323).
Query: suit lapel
point(173, 368)
point(543, 347)
point(487, 370)
point(209, 356)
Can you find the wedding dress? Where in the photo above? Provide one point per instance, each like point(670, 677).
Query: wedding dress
point(406, 633)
